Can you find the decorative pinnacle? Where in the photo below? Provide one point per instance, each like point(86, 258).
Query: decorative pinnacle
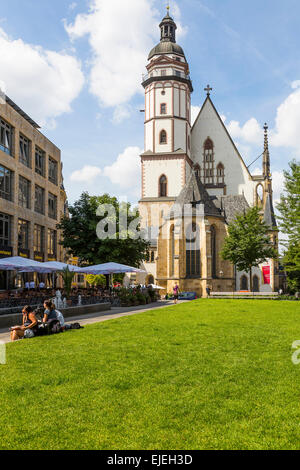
point(168, 8)
point(266, 136)
point(208, 89)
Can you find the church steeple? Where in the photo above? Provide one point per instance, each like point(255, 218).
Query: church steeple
point(168, 28)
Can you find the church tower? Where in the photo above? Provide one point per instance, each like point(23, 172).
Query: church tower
point(168, 89)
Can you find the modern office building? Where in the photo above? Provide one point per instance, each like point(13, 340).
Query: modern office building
point(32, 195)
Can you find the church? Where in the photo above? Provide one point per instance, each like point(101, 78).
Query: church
point(196, 166)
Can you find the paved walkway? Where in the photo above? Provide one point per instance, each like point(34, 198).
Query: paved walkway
point(115, 312)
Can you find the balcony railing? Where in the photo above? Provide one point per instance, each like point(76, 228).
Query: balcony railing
point(171, 74)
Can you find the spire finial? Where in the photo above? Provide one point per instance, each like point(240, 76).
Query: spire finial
point(168, 8)
point(266, 159)
point(208, 89)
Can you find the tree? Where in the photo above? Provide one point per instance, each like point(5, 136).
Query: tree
point(289, 221)
point(248, 243)
point(80, 233)
point(67, 277)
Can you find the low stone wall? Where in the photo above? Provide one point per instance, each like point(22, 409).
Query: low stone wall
point(244, 295)
point(13, 319)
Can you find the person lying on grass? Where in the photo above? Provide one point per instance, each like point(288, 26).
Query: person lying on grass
point(28, 328)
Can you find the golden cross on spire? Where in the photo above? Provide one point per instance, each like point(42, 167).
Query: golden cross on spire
point(168, 7)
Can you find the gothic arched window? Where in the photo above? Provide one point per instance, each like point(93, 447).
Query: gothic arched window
point(220, 174)
point(213, 252)
point(192, 251)
point(244, 282)
point(208, 161)
point(259, 194)
point(255, 283)
point(198, 171)
point(172, 251)
point(163, 186)
point(163, 137)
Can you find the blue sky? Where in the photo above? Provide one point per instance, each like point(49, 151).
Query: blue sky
point(76, 68)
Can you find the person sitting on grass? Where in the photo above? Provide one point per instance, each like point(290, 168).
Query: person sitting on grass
point(28, 328)
point(50, 312)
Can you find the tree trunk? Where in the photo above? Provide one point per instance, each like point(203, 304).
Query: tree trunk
point(251, 281)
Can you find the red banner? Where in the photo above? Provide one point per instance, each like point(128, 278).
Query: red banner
point(266, 274)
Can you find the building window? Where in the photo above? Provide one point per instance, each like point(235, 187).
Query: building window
point(208, 162)
point(244, 282)
point(23, 234)
point(24, 193)
point(6, 183)
point(172, 251)
point(5, 229)
point(197, 171)
point(5, 137)
point(51, 242)
point(163, 137)
point(52, 171)
point(163, 108)
point(52, 206)
point(220, 174)
point(24, 151)
point(40, 161)
point(177, 73)
point(152, 257)
point(255, 282)
point(163, 186)
point(163, 73)
point(213, 252)
point(39, 238)
point(192, 247)
point(39, 200)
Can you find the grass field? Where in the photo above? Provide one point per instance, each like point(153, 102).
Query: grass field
point(209, 374)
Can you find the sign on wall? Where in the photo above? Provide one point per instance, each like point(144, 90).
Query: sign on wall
point(266, 274)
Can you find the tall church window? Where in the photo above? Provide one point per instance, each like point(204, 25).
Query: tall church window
point(163, 137)
point(198, 171)
point(220, 174)
point(244, 282)
point(255, 282)
point(192, 253)
point(172, 251)
point(163, 186)
point(208, 162)
point(213, 252)
point(259, 194)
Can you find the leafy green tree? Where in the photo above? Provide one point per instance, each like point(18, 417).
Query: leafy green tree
point(67, 277)
point(248, 243)
point(80, 232)
point(289, 221)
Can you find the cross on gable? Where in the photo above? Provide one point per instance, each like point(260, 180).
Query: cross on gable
point(208, 89)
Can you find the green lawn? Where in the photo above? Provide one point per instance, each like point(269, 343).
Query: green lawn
point(209, 374)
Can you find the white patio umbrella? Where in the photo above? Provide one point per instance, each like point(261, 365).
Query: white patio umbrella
point(155, 287)
point(111, 268)
point(58, 266)
point(24, 265)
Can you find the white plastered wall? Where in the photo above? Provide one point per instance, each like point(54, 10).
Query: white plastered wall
point(153, 169)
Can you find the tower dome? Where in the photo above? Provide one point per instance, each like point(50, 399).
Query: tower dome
point(167, 43)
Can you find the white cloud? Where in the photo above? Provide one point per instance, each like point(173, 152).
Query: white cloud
point(277, 185)
point(286, 132)
point(125, 171)
point(121, 113)
point(195, 110)
point(86, 175)
point(72, 6)
point(44, 83)
point(120, 34)
point(250, 132)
